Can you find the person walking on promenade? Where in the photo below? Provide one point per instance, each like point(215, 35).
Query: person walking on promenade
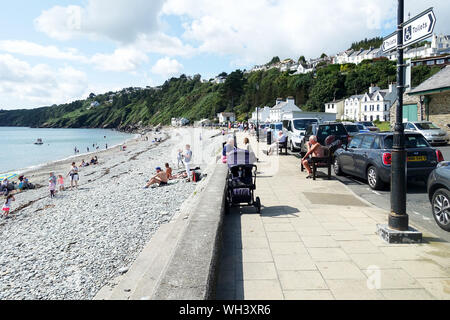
point(7, 205)
point(187, 161)
point(74, 177)
point(315, 149)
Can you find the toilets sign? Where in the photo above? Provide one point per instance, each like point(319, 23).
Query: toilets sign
point(414, 30)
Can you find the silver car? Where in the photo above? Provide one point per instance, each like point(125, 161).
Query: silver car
point(429, 130)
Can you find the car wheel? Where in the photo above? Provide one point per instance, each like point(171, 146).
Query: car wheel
point(441, 208)
point(337, 167)
point(374, 179)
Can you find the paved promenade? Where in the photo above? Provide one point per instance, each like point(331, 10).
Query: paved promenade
point(316, 240)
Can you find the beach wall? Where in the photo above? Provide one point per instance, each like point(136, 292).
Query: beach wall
point(192, 270)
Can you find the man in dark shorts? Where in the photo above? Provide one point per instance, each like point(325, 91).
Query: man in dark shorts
point(316, 150)
point(160, 178)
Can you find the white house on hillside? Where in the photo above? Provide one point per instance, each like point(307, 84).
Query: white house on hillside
point(282, 107)
point(336, 106)
point(225, 117)
point(352, 108)
point(263, 115)
point(376, 104)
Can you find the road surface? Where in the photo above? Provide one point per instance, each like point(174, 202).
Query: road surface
point(418, 204)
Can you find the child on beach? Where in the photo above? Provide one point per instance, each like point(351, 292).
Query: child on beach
point(169, 172)
point(7, 205)
point(52, 185)
point(61, 183)
point(180, 158)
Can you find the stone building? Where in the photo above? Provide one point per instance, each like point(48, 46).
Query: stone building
point(429, 101)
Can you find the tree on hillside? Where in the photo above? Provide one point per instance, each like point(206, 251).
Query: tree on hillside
point(274, 61)
point(302, 60)
point(367, 43)
point(323, 55)
point(233, 88)
point(223, 74)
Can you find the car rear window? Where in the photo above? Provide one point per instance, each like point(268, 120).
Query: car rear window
point(303, 124)
point(367, 142)
point(411, 142)
point(427, 126)
point(279, 126)
point(352, 128)
point(330, 130)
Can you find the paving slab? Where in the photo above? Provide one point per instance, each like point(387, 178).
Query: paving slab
point(316, 240)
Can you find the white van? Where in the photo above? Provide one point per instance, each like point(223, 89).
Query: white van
point(295, 130)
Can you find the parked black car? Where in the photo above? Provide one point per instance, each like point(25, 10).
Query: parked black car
point(323, 131)
point(439, 194)
point(368, 156)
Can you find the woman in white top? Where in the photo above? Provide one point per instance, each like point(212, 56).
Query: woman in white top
point(247, 145)
point(74, 177)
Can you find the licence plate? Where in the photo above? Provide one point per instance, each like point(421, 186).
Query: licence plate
point(417, 158)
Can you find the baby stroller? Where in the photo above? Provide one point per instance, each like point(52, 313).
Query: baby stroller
point(241, 180)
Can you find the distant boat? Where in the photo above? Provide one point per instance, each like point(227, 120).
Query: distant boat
point(39, 142)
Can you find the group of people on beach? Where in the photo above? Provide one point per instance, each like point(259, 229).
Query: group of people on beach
point(162, 177)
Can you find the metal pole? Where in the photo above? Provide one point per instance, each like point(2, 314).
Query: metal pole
point(257, 124)
point(398, 219)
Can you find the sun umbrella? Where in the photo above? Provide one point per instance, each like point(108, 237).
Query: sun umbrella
point(8, 176)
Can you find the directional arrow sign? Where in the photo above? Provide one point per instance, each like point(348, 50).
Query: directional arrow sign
point(414, 30)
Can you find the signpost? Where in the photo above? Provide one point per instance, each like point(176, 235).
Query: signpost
point(414, 30)
point(408, 33)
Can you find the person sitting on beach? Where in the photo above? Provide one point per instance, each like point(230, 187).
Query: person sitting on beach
point(7, 205)
point(160, 178)
point(92, 161)
point(169, 172)
point(4, 187)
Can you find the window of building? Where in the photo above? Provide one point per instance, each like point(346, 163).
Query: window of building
point(440, 61)
point(365, 108)
point(429, 63)
point(378, 107)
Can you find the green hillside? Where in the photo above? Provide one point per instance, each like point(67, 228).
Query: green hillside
point(193, 99)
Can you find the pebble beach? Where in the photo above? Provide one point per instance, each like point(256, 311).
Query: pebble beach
point(69, 247)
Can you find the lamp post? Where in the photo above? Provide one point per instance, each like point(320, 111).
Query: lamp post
point(398, 219)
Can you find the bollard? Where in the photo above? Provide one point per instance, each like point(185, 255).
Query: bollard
point(269, 137)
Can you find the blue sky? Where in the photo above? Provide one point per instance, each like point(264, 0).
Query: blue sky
point(59, 51)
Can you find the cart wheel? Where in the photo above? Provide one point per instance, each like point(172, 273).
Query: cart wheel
point(258, 205)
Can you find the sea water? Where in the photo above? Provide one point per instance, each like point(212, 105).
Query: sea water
point(18, 151)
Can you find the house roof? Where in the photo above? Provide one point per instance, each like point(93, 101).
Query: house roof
point(437, 83)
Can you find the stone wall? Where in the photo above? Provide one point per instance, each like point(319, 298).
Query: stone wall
point(439, 108)
point(407, 99)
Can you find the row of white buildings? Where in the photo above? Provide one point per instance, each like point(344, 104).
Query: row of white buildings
point(373, 105)
point(440, 44)
point(291, 65)
point(274, 114)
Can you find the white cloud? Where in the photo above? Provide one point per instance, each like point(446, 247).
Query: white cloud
point(167, 67)
point(123, 59)
point(21, 83)
point(255, 31)
point(119, 20)
point(33, 49)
